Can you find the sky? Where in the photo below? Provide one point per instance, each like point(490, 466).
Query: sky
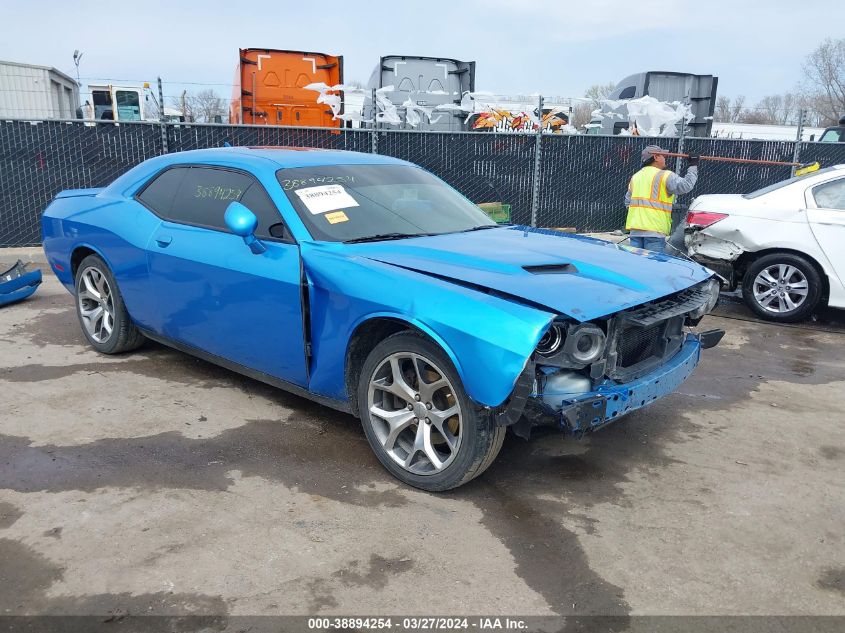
point(552, 48)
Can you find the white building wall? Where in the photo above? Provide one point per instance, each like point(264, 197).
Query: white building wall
point(36, 92)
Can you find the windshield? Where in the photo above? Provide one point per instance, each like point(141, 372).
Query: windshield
point(338, 203)
point(782, 183)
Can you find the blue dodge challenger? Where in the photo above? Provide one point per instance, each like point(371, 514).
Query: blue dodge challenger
point(369, 285)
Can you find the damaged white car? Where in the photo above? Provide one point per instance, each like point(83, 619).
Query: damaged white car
point(783, 244)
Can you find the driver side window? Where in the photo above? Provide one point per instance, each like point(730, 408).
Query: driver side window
point(830, 195)
point(199, 196)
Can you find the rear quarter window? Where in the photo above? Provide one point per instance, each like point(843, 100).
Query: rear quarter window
point(205, 194)
point(160, 193)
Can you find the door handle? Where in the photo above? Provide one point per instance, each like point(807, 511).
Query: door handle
point(163, 240)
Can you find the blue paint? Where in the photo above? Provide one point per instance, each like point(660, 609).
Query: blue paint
point(469, 291)
point(20, 287)
point(622, 399)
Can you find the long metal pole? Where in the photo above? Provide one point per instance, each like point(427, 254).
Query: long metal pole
point(681, 138)
point(727, 159)
point(538, 141)
point(796, 153)
point(161, 118)
point(373, 130)
point(253, 98)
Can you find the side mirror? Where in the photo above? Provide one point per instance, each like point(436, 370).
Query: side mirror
point(241, 221)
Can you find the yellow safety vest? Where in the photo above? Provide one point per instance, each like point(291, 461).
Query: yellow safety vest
point(651, 204)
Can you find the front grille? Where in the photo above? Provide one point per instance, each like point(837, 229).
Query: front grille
point(637, 344)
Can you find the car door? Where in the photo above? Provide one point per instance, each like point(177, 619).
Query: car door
point(826, 214)
point(211, 292)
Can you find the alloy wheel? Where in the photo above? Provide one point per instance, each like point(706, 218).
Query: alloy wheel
point(415, 413)
point(96, 304)
point(780, 288)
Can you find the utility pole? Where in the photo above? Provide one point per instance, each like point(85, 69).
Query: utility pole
point(77, 57)
point(535, 190)
point(162, 124)
point(796, 153)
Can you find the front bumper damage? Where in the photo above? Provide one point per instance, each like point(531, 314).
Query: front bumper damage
point(579, 413)
point(585, 412)
point(631, 359)
point(17, 283)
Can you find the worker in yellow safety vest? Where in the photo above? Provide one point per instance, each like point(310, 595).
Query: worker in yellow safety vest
point(650, 195)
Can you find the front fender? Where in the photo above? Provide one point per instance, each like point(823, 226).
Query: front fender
point(488, 339)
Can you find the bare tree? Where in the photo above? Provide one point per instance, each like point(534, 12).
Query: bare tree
point(204, 106)
point(736, 108)
point(207, 106)
point(597, 92)
point(151, 110)
point(769, 109)
point(722, 112)
point(755, 116)
point(729, 111)
point(790, 108)
point(825, 76)
point(582, 112)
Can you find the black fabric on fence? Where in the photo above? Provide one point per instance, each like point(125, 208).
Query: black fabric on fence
point(37, 160)
point(187, 137)
point(582, 178)
point(484, 167)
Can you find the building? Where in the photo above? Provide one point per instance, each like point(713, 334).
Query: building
point(28, 91)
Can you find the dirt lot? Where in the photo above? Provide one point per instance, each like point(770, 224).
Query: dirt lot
point(157, 483)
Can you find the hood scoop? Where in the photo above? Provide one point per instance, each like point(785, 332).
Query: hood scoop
point(551, 269)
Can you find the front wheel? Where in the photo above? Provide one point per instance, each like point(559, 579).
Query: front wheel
point(782, 287)
point(420, 423)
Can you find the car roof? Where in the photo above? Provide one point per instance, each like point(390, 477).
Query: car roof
point(282, 157)
point(258, 160)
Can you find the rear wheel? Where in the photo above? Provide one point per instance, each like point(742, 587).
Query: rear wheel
point(420, 423)
point(102, 314)
point(782, 287)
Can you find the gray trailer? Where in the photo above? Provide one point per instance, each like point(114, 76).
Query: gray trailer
point(428, 82)
point(699, 91)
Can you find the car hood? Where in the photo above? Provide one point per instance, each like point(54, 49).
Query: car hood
point(580, 277)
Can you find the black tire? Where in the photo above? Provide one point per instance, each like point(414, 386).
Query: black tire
point(771, 262)
point(480, 438)
point(124, 336)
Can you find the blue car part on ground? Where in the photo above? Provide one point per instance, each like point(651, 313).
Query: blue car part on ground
point(16, 283)
point(302, 313)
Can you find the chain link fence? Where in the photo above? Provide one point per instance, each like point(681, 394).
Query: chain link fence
point(548, 180)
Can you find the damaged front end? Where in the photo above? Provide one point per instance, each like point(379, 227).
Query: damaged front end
point(585, 375)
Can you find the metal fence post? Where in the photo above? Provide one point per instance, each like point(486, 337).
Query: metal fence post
point(161, 118)
point(681, 137)
point(535, 190)
point(796, 153)
point(373, 129)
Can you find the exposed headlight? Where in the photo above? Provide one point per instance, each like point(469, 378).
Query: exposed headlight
point(584, 343)
point(551, 341)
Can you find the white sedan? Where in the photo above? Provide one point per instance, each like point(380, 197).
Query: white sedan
point(784, 244)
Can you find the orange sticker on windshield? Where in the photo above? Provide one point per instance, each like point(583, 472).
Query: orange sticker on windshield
point(337, 216)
